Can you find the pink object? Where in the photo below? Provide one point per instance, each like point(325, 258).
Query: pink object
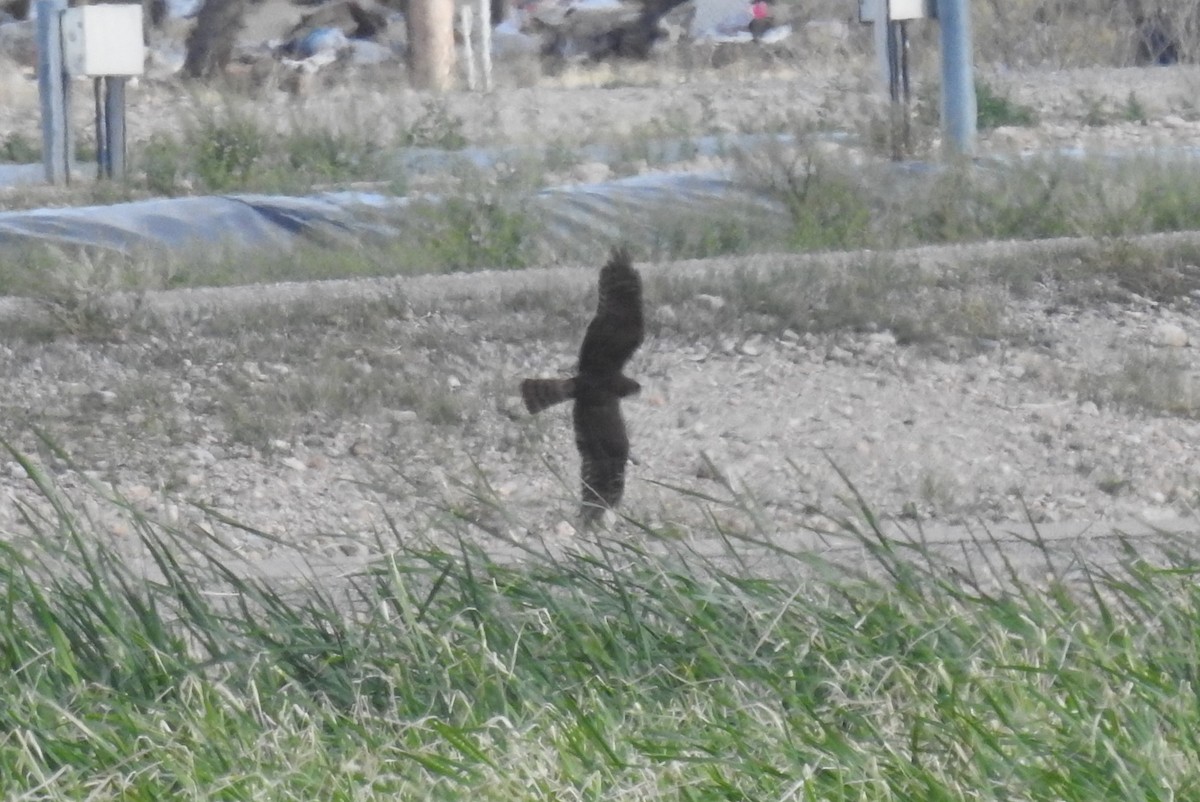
point(759, 10)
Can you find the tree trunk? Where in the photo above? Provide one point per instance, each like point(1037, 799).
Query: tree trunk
point(430, 43)
point(210, 44)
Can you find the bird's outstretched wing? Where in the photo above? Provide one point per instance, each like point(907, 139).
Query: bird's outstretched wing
point(603, 451)
point(541, 393)
point(618, 327)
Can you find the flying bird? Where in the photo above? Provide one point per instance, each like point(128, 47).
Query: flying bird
point(599, 385)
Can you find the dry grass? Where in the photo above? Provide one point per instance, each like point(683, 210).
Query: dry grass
point(1155, 382)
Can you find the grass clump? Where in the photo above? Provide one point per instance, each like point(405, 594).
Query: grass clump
point(994, 110)
point(1133, 110)
point(232, 151)
point(963, 204)
point(256, 409)
point(461, 234)
point(17, 149)
point(867, 294)
point(605, 672)
point(1157, 383)
point(1118, 268)
point(435, 128)
point(810, 197)
point(87, 293)
point(227, 152)
point(465, 233)
point(703, 236)
point(835, 204)
point(828, 207)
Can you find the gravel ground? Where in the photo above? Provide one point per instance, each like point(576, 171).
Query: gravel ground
point(326, 416)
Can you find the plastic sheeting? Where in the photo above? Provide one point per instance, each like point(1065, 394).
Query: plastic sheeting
point(572, 217)
point(576, 215)
point(637, 209)
point(175, 223)
point(606, 211)
point(19, 175)
point(656, 151)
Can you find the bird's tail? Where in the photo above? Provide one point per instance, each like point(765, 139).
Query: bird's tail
point(541, 393)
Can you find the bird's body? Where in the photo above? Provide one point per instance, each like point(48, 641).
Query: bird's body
point(599, 385)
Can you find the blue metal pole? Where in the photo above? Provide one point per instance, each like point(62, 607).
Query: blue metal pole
point(52, 89)
point(958, 82)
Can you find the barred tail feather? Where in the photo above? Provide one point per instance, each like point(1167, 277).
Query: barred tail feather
point(541, 393)
point(603, 485)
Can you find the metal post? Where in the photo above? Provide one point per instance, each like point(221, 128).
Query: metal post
point(53, 88)
point(114, 122)
point(958, 84)
point(898, 88)
point(465, 19)
point(485, 45)
point(101, 129)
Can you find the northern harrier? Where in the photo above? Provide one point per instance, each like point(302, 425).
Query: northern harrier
point(613, 335)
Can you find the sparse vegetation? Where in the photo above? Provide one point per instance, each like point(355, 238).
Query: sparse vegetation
point(89, 293)
point(867, 294)
point(664, 139)
point(1085, 33)
point(1133, 110)
point(259, 407)
point(860, 293)
point(492, 231)
point(829, 208)
point(435, 128)
point(703, 236)
point(228, 150)
point(1157, 383)
point(19, 150)
point(1097, 112)
point(994, 110)
point(834, 207)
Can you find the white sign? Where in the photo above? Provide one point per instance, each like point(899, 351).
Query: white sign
point(898, 9)
point(103, 40)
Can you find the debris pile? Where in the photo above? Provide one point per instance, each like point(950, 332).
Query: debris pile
point(204, 38)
